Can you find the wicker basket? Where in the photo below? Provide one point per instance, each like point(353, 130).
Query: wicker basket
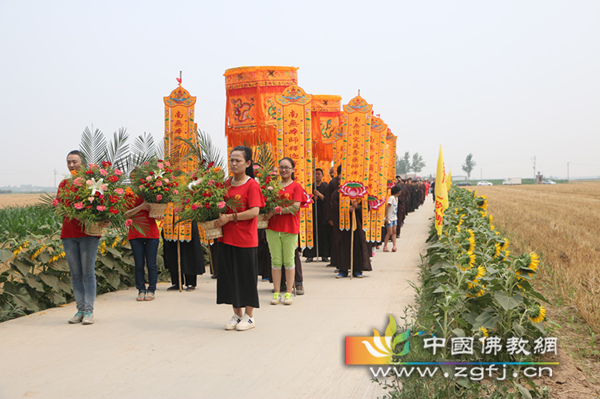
point(157, 210)
point(261, 223)
point(93, 229)
point(210, 230)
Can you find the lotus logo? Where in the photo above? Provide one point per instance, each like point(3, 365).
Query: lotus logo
point(353, 189)
point(378, 349)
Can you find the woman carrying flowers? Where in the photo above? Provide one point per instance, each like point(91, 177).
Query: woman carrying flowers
point(80, 251)
point(237, 256)
point(282, 233)
point(144, 246)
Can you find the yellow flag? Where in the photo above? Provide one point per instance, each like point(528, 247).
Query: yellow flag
point(449, 181)
point(441, 193)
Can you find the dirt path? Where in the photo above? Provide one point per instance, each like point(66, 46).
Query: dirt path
point(176, 346)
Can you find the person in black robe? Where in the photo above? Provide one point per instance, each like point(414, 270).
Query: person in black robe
point(342, 239)
point(192, 260)
point(332, 217)
point(321, 229)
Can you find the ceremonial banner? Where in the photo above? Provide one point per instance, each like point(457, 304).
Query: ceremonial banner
point(390, 155)
point(179, 125)
point(441, 193)
point(325, 114)
point(250, 112)
point(355, 153)
point(294, 140)
point(377, 179)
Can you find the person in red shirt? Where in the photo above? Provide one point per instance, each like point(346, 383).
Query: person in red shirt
point(144, 246)
point(80, 251)
point(282, 233)
point(237, 278)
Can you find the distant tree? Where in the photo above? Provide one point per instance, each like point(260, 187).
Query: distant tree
point(469, 165)
point(417, 162)
point(403, 164)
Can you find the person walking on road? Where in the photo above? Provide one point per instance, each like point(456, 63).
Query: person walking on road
point(237, 278)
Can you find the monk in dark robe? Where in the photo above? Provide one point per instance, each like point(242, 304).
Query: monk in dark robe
point(192, 260)
point(321, 229)
point(341, 239)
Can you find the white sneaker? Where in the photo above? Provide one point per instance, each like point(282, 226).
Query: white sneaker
point(246, 323)
point(232, 323)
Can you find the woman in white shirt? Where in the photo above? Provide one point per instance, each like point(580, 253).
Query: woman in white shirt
point(391, 219)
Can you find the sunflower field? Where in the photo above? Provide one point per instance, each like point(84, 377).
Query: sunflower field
point(34, 274)
point(473, 288)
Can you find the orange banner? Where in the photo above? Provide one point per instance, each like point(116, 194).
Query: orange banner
point(377, 179)
point(355, 154)
point(250, 116)
point(294, 140)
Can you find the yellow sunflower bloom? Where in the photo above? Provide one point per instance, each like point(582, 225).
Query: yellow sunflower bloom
point(538, 314)
point(484, 331)
point(534, 261)
point(498, 249)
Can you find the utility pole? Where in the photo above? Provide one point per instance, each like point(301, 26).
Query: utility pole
point(568, 180)
point(54, 177)
point(534, 168)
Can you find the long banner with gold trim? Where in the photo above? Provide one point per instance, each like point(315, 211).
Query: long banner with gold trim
point(294, 140)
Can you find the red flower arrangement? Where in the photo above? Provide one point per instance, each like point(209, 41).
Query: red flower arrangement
point(94, 195)
point(155, 182)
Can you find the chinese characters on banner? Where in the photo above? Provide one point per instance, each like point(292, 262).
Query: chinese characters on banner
point(355, 154)
point(377, 179)
point(294, 140)
point(179, 125)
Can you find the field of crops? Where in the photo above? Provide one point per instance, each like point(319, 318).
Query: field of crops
point(34, 274)
point(11, 200)
point(562, 223)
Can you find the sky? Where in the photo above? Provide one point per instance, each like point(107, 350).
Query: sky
point(507, 81)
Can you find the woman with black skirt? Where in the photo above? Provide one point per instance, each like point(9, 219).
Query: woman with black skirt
point(238, 260)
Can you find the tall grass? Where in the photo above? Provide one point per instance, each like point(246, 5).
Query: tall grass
point(562, 223)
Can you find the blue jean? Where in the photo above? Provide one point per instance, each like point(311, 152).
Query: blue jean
point(144, 253)
point(81, 257)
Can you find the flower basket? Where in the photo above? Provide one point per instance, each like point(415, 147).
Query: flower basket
point(157, 210)
point(92, 195)
point(210, 230)
point(155, 181)
point(262, 224)
point(93, 229)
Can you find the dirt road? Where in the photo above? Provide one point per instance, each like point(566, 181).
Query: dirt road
point(176, 346)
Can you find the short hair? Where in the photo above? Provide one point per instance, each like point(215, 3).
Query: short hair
point(75, 152)
point(318, 170)
point(339, 170)
point(395, 190)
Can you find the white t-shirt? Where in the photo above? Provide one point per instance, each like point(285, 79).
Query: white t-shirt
point(392, 211)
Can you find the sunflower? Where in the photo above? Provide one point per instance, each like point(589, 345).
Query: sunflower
point(38, 252)
point(537, 313)
point(484, 331)
point(534, 261)
point(471, 241)
point(471, 258)
point(505, 245)
point(480, 272)
point(498, 249)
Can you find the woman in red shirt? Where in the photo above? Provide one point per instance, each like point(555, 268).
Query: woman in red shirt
point(80, 251)
point(237, 253)
point(144, 246)
point(282, 233)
